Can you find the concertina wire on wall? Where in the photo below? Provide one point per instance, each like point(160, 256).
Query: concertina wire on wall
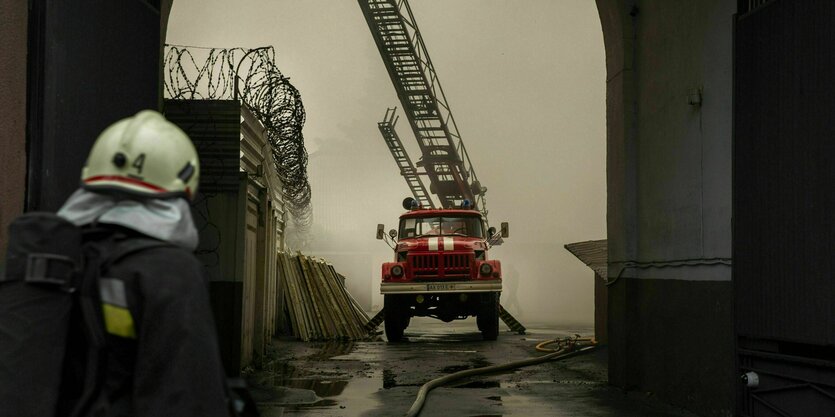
point(250, 75)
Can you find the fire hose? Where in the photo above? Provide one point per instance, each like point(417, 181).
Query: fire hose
point(568, 347)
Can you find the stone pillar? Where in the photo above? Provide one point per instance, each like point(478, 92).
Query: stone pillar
point(13, 36)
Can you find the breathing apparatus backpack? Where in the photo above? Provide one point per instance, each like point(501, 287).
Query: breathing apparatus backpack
point(52, 337)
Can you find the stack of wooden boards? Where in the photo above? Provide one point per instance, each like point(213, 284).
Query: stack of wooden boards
point(316, 303)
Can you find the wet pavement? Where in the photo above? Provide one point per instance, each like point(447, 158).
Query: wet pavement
point(376, 378)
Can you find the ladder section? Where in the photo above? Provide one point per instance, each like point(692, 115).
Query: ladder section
point(444, 158)
point(407, 169)
point(375, 321)
point(510, 321)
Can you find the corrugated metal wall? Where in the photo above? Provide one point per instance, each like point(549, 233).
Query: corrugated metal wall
point(215, 128)
point(240, 214)
point(784, 207)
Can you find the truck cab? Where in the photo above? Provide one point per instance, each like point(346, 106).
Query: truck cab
point(441, 269)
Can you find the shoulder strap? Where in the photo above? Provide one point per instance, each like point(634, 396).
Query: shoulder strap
point(100, 254)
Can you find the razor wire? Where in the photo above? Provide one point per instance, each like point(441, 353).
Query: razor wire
point(250, 75)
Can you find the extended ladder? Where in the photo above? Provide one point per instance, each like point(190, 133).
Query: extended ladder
point(444, 158)
point(511, 321)
point(407, 169)
point(375, 321)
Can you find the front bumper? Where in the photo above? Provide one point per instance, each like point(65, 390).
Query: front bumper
point(440, 287)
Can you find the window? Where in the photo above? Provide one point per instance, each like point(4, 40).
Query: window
point(441, 226)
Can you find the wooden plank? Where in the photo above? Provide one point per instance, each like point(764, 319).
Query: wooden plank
point(326, 300)
point(317, 303)
point(337, 302)
point(290, 297)
point(303, 299)
point(280, 305)
point(321, 325)
point(359, 315)
point(288, 324)
point(347, 306)
point(350, 306)
point(303, 320)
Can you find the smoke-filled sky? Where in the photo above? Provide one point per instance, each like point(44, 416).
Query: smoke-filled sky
point(526, 84)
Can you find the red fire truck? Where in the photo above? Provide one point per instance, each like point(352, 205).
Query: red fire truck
point(441, 269)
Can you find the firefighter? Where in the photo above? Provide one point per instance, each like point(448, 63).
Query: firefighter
point(163, 356)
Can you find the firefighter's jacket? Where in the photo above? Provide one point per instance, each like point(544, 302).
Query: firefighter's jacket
point(164, 358)
point(163, 355)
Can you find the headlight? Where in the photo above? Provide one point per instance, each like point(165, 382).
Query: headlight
point(486, 269)
point(397, 271)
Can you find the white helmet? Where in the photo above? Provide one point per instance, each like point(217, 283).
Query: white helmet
point(143, 155)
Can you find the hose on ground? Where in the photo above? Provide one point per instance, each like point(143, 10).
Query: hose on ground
point(541, 346)
point(568, 348)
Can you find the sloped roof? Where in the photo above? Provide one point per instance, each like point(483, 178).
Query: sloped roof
point(593, 253)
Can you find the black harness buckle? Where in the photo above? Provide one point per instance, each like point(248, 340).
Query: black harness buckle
point(51, 269)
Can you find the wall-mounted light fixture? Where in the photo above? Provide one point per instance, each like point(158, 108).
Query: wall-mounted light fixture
point(694, 96)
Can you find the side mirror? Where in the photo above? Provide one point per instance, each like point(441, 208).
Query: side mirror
point(392, 233)
point(380, 231)
point(505, 229)
point(491, 231)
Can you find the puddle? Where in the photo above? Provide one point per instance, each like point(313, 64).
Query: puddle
point(280, 396)
point(474, 363)
point(322, 388)
point(329, 350)
point(283, 375)
point(455, 368)
point(319, 404)
point(479, 385)
point(576, 382)
point(390, 380)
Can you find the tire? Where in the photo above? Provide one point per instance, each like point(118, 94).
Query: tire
point(488, 316)
point(396, 317)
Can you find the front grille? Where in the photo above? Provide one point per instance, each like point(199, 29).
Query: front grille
point(445, 265)
point(456, 264)
point(424, 266)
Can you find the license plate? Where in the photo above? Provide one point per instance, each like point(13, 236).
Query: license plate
point(440, 287)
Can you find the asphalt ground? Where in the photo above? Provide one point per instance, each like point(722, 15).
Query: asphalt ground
point(377, 378)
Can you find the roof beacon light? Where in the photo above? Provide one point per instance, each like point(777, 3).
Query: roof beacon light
point(410, 203)
point(466, 204)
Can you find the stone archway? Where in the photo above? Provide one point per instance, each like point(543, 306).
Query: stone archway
point(669, 200)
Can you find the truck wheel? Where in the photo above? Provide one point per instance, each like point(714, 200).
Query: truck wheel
point(488, 316)
point(396, 317)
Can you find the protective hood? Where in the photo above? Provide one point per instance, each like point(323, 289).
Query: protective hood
point(164, 219)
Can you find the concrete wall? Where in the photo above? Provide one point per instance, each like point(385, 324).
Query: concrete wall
point(669, 199)
point(84, 77)
point(13, 27)
point(601, 310)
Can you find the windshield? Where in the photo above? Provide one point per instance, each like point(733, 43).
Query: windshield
point(441, 226)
